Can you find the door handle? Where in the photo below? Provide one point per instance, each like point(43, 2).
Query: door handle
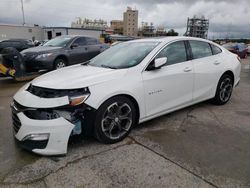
point(187, 69)
point(216, 63)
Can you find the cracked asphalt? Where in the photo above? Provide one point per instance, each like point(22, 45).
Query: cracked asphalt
point(200, 146)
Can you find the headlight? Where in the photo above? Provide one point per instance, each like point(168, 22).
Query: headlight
point(44, 55)
point(76, 100)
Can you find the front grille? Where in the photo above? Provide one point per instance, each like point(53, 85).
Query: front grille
point(16, 121)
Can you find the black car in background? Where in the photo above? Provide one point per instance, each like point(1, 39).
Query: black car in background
point(62, 51)
point(19, 44)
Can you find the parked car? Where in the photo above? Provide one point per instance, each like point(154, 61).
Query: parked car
point(62, 51)
point(130, 83)
point(19, 44)
point(248, 50)
point(237, 48)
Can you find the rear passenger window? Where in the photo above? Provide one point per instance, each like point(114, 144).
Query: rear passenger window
point(175, 52)
point(200, 49)
point(91, 41)
point(215, 49)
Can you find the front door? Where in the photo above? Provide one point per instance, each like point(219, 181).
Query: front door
point(79, 51)
point(171, 86)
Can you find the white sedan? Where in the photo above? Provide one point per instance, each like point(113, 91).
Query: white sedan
point(127, 84)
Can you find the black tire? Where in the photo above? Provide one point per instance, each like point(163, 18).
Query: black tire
point(110, 126)
point(224, 90)
point(59, 63)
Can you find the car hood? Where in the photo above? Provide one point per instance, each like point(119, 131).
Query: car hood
point(77, 76)
point(40, 49)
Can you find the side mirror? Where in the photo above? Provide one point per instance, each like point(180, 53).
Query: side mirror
point(73, 46)
point(157, 63)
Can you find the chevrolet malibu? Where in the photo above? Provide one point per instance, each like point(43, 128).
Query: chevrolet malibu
point(127, 84)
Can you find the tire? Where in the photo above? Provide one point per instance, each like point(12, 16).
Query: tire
point(59, 63)
point(114, 120)
point(224, 90)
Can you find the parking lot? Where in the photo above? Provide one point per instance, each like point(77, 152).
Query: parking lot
point(199, 146)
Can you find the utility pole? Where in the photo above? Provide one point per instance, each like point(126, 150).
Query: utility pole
point(23, 12)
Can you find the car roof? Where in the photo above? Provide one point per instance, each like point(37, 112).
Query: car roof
point(169, 39)
point(75, 36)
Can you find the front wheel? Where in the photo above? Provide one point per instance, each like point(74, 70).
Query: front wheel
point(224, 90)
point(59, 63)
point(115, 119)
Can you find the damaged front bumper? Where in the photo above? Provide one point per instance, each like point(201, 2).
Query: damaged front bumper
point(44, 125)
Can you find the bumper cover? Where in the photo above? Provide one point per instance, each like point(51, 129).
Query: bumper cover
point(28, 119)
point(59, 130)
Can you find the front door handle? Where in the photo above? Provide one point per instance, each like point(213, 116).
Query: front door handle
point(216, 63)
point(187, 69)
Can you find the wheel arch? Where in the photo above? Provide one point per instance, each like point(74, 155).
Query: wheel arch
point(230, 73)
point(64, 57)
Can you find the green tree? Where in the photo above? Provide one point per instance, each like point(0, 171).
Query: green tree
point(172, 32)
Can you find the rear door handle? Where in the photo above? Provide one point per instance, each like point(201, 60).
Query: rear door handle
point(216, 63)
point(187, 69)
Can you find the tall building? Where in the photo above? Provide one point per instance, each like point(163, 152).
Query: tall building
point(117, 26)
point(197, 27)
point(130, 22)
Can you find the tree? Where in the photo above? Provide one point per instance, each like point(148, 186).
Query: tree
point(172, 32)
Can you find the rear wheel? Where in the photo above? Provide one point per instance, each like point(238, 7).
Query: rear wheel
point(60, 63)
point(224, 90)
point(115, 119)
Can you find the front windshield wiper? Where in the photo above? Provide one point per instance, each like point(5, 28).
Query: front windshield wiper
point(86, 62)
point(107, 66)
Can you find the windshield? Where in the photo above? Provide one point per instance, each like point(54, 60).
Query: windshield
point(58, 42)
point(123, 55)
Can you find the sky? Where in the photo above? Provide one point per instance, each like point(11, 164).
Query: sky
point(228, 18)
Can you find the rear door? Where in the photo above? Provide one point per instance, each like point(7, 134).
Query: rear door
point(207, 61)
point(171, 86)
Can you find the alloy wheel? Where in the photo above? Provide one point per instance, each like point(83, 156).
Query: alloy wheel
point(60, 64)
point(116, 120)
point(226, 88)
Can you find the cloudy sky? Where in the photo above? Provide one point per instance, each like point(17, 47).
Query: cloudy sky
point(228, 18)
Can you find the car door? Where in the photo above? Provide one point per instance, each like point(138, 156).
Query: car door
point(79, 51)
point(94, 47)
point(207, 68)
point(171, 86)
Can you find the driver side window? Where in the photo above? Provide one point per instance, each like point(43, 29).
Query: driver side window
point(80, 42)
point(175, 53)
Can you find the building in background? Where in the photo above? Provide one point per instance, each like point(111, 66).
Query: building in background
point(197, 27)
point(117, 26)
point(89, 24)
point(43, 33)
point(8, 31)
point(130, 22)
point(146, 30)
point(52, 32)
